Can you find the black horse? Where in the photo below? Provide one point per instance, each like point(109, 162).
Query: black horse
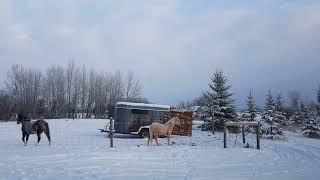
point(33, 127)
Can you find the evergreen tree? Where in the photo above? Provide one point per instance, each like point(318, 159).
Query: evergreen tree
point(269, 109)
point(310, 122)
point(251, 107)
point(302, 116)
point(318, 102)
point(219, 106)
point(270, 118)
point(279, 103)
point(280, 114)
point(305, 114)
point(297, 116)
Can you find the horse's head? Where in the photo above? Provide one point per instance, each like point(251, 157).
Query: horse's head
point(177, 121)
point(21, 118)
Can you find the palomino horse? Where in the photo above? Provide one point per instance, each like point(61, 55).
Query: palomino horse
point(157, 129)
point(33, 127)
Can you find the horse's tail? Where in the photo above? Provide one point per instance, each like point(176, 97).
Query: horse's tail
point(150, 135)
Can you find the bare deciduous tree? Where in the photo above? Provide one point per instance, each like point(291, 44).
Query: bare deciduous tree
point(132, 87)
point(66, 92)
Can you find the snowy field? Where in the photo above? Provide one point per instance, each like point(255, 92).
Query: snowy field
point(80, 151)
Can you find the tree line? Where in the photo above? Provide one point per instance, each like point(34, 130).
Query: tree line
point(66, 92)
point(217, 106)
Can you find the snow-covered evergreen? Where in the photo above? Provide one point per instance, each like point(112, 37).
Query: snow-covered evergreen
point(312, 119)
point(251, 113)
point(301, 116)
point(251, 108)
point(312, 125)
point(219, 106)
point(269, 109)
point(305, 114)
point(280, 114)
point(318, 102)
point(279, 104)
point(270, 125)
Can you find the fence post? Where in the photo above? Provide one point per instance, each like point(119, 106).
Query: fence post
point(212, 124)
point(258, 135)
point(243, 135)
point(224, 135)
point(111, 132)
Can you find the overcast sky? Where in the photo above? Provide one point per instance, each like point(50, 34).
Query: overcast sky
point(172, 46)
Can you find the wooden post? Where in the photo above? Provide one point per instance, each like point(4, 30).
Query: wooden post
point(243, 136)
point(224, 135)
point(111, 132)
point(212, 124)
point(258, 135)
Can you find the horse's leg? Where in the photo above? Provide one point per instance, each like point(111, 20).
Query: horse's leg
point(27, 138)
point(48, 136)
point(39, 136)
point(156, 138)
point(46, 130)
point(148, 140)
point(168, 138)
point(23, 136)
point(150, 136)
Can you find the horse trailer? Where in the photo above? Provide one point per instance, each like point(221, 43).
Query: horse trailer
point(135, 118)
point(130, 117)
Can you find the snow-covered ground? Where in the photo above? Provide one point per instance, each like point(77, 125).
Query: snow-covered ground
point(80, 151)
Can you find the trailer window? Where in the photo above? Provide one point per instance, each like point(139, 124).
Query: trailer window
point(139, 111)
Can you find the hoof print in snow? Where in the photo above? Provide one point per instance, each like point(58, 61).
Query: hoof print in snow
point(193, 144)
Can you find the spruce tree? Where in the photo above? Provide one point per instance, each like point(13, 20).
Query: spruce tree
point(269, 117)
point(219, 105)
point(269, 108)
point(312, 120)
point(251, 107)
point(298, 114)
point(318, 102)
point(279, 103)
point(305, 114)
point(302, 116)
point(280, 114)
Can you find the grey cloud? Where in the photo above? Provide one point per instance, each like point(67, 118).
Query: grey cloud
point(173, 53)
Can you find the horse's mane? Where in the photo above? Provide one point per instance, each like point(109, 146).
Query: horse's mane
point(171, 120)
point(23, 118)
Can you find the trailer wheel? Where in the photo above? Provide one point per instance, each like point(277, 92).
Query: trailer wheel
point(144, 133)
